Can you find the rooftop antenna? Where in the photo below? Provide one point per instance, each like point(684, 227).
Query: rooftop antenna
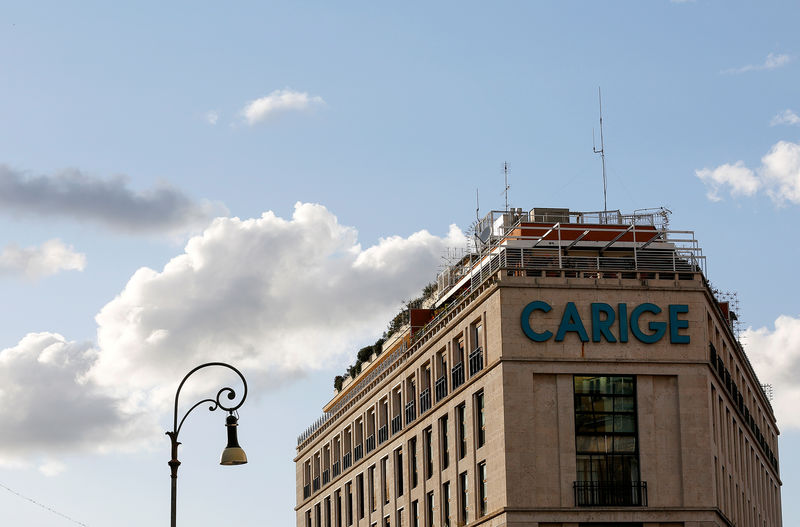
point(505, 174)
point(477, 206)
point(602, 150)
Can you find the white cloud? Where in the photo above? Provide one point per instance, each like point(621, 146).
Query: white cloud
point(775, 355)
point(737, 177)
point(778, 176)
point(773, 61)
point(109, 202)
point(47, 406)
point(785, 117)
point(212, 117)
point(37, 262)
point(278, 101)
point(52, 467)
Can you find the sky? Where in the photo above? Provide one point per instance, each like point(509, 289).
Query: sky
point(266, 183)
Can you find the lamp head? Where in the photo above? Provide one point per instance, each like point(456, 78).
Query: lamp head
point(233, 453)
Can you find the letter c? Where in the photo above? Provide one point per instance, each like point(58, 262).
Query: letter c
point(536, 305)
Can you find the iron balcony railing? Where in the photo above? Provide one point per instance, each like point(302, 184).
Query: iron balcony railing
point(383, 434)
point(441, 388)
point(371, 443)
point(424, 401)
point(337, 469)
point(457, 374)
point(475, 361)
point(610, 493)
point(397, 424)
point(326, 477)
point(306, 491)
point(358, 452)
point(347, 460)
point(411, 411)
point(315, 484)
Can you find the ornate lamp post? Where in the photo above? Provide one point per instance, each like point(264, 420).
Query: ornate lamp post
point(233, 453)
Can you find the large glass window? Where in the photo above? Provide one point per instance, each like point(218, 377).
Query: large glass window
point(606, 440)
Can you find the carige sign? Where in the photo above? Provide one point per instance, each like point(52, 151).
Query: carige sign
point(609, 323)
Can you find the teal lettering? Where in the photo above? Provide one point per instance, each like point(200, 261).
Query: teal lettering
point(623, 322)
point(537, 305)
point(658, 328)
point(571, 322)
point(602, 327)
point(675, 324)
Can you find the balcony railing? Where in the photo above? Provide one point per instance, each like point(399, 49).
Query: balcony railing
point(306, 491)
point(411, 411)
point(315, 484)
point(475, 361)
point(358, 452)
point(397, 424)
point(383, 434)
point(326, 477)
point(337, 469)
point(441, 388)
point(347, 460)
point(371, 443)
point(610, 493)
point(457, 374)
point(424, 401)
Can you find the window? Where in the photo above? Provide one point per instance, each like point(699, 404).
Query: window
point(308, 518)
point(348, 490)
point(477, 335)
point(415, 513)
point(461, 412)
point(443, 439)
point(360, 490)
point(480, 416)
point(412, 452)
point(385, 479)
point(428, 435)
point(398, 471)
point(317, 515)
point(386, 522)
point(446, 504)
point(463, 499)
point(483, 490)
point(429, 510)
point(606, 441)
point(372, 500)
point(338, 508)
point(328, 512)
point(399, 522)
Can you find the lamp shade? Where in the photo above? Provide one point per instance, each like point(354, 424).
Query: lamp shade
point(233, 453)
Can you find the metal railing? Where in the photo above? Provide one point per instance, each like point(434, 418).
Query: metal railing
point(326, 476)
point(337, 469)
point(411, 411)
point(610, 493)
point(358, 452)
point(371, 443)
point(457, 375)
point(397, 423)
point(315, 484)
point(475, 361)
point(383, 434)
point(424, 401)
point(441, 388)
point(306, 491)
point(347, 461)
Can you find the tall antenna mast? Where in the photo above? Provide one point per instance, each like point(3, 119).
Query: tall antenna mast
point(602, 150)
point(477, 206)
point(505, 174)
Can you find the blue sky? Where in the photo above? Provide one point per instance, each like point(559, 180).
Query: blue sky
point(127, 128)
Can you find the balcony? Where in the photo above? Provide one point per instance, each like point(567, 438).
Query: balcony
point(397, 424)
point(457, 375)
point(371, 443)
point(358, 452)
point(315, 484)
point(383, 434)
point(441, 388)
point(411, 411)
point(326, 477)
point(337, 469)
point(610, 493)
point(424, 401)
point(306, 491)
point(347, 460)
point(475, 361)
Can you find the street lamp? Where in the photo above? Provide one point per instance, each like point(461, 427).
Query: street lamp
point(233, 453)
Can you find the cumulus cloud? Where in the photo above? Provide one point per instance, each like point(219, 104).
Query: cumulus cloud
point(775, 355)
point(785, 117)
point(778, 176)
point(48, 406)
point(212, 117)
point(109, 202)
point(279, 101)
point(48, 259)
point(773, 61)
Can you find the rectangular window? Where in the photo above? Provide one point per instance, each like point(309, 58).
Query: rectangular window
point(399, 522)
point(412, 452)
point(386, 522)
point(461, 421)
point(373, 502)
point(606, 441)
point(428, 435)
point(317, 515)
point(308, 518)
point(398, 471)
point(348, 491)
point(445, 450)
point(338, 509)
point(415, 513)
point(328, 512)
point(480, 416)
point(483, 489)
point(463, 499)
point(360, 490)
point(385, 479)
point(446, 504)
point(429, 510)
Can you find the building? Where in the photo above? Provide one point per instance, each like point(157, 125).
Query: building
point(575, 369)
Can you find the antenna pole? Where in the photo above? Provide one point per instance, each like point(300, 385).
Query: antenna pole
point(602, 151)
point(505, 174)
point(477, 206)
